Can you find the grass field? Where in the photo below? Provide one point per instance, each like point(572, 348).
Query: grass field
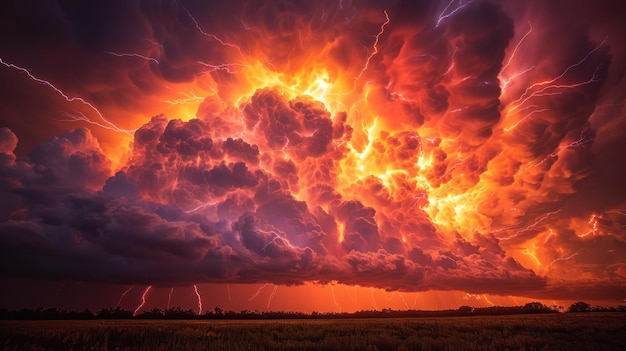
point(587, 331)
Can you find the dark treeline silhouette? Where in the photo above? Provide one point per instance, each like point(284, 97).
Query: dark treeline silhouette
point(218, 313)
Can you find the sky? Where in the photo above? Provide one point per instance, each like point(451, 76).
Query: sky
point(312, 155)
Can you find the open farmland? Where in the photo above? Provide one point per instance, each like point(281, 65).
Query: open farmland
point(588, 331)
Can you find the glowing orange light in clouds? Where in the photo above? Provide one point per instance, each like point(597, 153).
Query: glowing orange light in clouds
point(438, 157)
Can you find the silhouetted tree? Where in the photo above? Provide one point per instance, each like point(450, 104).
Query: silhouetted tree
point(535, 307)
point(114, 313)
point(466, 310)
point(179, 313)
point(155, 313)
point(580, 307)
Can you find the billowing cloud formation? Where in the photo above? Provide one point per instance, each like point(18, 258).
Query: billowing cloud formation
point(406, 146)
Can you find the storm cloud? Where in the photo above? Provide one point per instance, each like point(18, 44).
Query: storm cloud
point(408, 146)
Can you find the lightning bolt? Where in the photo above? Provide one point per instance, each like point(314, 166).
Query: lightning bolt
point(189, 98)
point(269, 300)
point(195, 290)
point(451, 63)
point(543, 92)
point(406, 305)
point(133, 55)
point(534, 225)
point(169, 298)
point(276, 237)
point(227, 67)
point(507, 81)
point(212, 36)
point(593, 222)
point(374, 51)
point(80, 117)
point(256, 294)
point(443, 17)
point(582, 140)
point(569, 257)
point(105, 122)
point(119, 302)
point(488, 301)
point(619, 212)
point(353, 295)
point(230, 299)
point(550, 84)
point(524, 118)
point(528, 252)
point(373, 299)
point(203, 206)
point(519, 43)
point(478, 297)
point(143, 300)
point(332, 289)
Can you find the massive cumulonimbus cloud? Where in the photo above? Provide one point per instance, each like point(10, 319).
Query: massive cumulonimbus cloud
point(405, 146)
point(138, 223)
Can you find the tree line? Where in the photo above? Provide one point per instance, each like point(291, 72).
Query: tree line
point(218, 313)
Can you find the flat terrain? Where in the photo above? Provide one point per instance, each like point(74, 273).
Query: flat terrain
point(587, 331)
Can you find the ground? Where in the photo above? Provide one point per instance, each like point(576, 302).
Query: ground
point(571, 331)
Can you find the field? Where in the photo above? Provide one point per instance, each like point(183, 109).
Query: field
point(586, 331)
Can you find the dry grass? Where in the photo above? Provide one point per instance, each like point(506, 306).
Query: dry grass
point(589, 331)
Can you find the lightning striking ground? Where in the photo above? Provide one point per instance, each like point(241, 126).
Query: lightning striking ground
point(143, 300)
point(169, 298)
point(195, 290)
point(271, 297)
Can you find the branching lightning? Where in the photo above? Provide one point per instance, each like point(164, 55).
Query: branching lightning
point(212, 36)
point(80, 117)
point(406, 305)
point(533, 226)
point(274, 239)
point(507, 81)
point(443, 16)
point(374, 51)
point(415, 300)
point(550, 84)
point(105, 122)
point(519, 43)
point(529, 114)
